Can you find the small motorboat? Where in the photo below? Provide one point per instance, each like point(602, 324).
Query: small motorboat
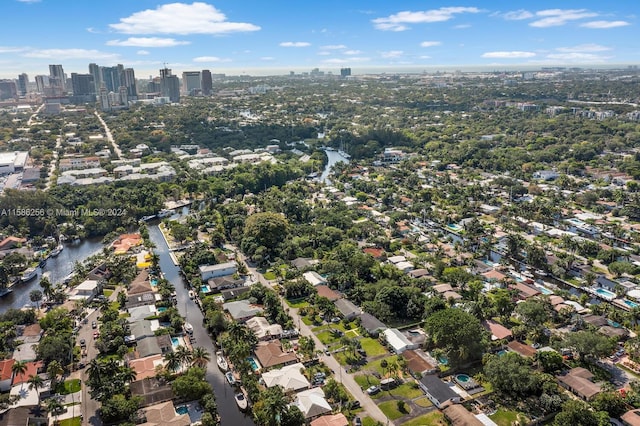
point(222, 363)
point(241, 400)
point(229, 376)
point(29, 274)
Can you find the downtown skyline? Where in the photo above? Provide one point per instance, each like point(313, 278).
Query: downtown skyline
point(257, 37)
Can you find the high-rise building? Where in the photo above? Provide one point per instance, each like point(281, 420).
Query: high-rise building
point(191, 82)
point(84, 88)
point(23, 84)
point(345, 72)
point(169, 85)
point(8, 90)
point(105, 105)
point(111, 78)
point(42, 82)
point(128, 80)
point(57, 79)
point(206, 82)
point(94, 70)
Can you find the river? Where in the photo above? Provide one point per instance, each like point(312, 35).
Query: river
point(57, 268)
point(333, 157)
point(229, 412)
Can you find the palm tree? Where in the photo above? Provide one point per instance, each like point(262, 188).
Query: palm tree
point(96, 371)
point(184, 355)
point(200, 357)
point(54, 407)
point(54, 369)
point(35, 382)
point(19, 368)
point(172, 360)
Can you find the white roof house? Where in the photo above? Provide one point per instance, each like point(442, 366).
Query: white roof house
point(288, 377)
point(314, 278)
point(398, 341)
point(262, 329)
point(396, 259)
point(312, 403)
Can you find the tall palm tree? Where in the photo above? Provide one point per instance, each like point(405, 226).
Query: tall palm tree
point(172, 360)
point(54, 407)
point(200, 357)
point(19, 368)
point(184, 355)
point(96, 371)
point(54, 369)
point(35, 382)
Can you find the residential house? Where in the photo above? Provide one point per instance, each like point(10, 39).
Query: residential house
point(289, 378)
point(314, 278)
point(232, 293)
point(220, 270)
point(144, 328)
point(631, 418)
point(146, 367)
point(301, 263)
point(437, 391)
point(6, 374)
point(223, 283)
point(148, 346)
point(347, 309)
point(164, 414)
point(498, 331)
point(263, 330)
point(312, 403)
point(397, 341)
point(26, 415)
point(270, 354)
point(460, 416)
point(242, 310)
point(33, 368)
point(142, 312)
point(331, 420)
point(372, 325)
point(324, 291)
point(578, 381)
point(523, 350)
point(11, 242)
point(418, 362)
point(86, 290)
point(152, 391)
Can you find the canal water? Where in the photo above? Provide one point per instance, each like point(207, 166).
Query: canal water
point(57, 268)
point(333, 157)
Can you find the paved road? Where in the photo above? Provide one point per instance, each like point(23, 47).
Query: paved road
point(229, 412)
point(340, 374)
point(107, 131)
point(90, 406)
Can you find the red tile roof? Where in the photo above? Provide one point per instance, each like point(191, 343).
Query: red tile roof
point(5, 369)
point(32, 370)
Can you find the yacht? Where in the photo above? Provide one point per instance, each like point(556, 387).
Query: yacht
point(56, 251)
point(229, 376)
point(222, 363)
point(29, 274)
point(188, 327)
point(241, 400)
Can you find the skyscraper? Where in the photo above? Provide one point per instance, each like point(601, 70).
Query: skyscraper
point(191, 82)
point(94, 70)
point(57, 78)
point(23, 83)
point(8, 90)
point(345, 72)
point(206, 83)
point(169, 85)
point(42, 82)
point(111, 78)
point(128, 80)
point(84, 88)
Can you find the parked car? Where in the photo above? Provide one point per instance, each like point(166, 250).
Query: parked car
point(94, 324)
point(83, 343)
point(372, 390)
point(96, 334)
point(357, 421)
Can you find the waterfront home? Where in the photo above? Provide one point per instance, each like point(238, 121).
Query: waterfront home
point(152, 390)
point(331, 420)
point(219, 270)
point(289, 378)
point(86, 290)
point(147, 366)
point(270, 354)
point(263, 330)
point(164, 414)
point(242, 310)
point(312, 403)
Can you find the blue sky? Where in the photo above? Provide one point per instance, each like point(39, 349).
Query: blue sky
point(274, 36)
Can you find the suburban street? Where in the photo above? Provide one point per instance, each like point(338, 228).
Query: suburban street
point(340, 375)
point(90, 406)
point(107, 131)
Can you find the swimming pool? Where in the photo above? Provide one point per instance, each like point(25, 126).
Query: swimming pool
point(605, 294)
point(162, 309)
point(204, 288)
point(463, 378)
point(630, 304)
point(182, 409)
point(443, 360)
point(543, 289)
point(175, 341)
point(454, 227)
point(154, 282)
point(253, 363)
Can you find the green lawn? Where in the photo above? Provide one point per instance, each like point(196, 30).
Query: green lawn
point(307, 321)
point(423, 402)
point(351, 334)
point(435, 418)
point(69, 386)
point(107, 293)
point(269, 275)
point(375, 365)
point(368, 421)
point(71, 422)
point(507, 417)
point(372, 346)
point(390, 409)
point(327, 338)
point(366, 380)
point(407, 390)
point(300, 303)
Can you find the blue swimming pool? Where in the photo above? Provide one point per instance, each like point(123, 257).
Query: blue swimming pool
point(182, 409)
point(443, 360)
point(204, 288)
point(630, 304)
point(162, 309)
point(154, 282)
point(605, 294)
point(175, 341)
point(253, 363)
point(543, 289)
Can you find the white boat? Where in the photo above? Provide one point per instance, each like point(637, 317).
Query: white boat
point(241, 400)
point(165, 213)
point(29, 274)
point(222, 363)
point(56, 251)
point(188, 328)
point(229, 376)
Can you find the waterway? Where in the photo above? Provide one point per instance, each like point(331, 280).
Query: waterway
point(57, 268)
point(229, 412)
point(333, 157)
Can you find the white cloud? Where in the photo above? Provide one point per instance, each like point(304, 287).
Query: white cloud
point(430, 43)
point(392, 54)
point(267, 58)
point(461, 26)
point(425, 57)
point(352, 52)
point(93, 30)
point(578, 57)
point(398, 21)
point(181, 18)
point(90, 54)
point(210, 59)
point(514, 54)
point(324, 53)
point(517, 15)
point(558, 17)
point(605, 24)
point(8, 49)
point(147, 42)
point(333, 47)
point(143, 52)
point(295, 44)
point(590, 47)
